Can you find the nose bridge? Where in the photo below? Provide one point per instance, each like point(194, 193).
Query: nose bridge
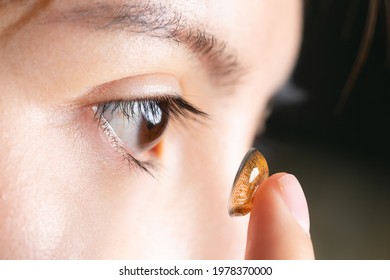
point(202, 190)
point(202, 177)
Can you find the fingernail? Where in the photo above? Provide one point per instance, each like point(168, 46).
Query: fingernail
point(295, 200)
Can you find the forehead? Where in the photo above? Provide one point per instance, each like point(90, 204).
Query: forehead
point(156, 19)
point(222, 34)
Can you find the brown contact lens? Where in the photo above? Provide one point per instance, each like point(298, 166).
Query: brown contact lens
point(251, 173)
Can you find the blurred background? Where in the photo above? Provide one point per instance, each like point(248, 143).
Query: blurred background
point(330, 127)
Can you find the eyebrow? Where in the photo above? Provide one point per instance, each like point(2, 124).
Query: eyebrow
point(159, 21)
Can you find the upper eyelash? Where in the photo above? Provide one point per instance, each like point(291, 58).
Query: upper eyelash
point(177, 108)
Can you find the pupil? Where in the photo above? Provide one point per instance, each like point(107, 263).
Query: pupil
point(153, 123)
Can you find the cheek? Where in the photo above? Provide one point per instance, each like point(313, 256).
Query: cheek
point(201, 161)
point(51, 192)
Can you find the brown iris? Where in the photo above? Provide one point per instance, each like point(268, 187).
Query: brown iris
point(152, 123)
point(138, 124)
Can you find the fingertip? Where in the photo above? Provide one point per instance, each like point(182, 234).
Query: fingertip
point(295, 200)
point(279, 221)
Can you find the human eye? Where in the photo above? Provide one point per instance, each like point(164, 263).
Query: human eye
point(135, 127)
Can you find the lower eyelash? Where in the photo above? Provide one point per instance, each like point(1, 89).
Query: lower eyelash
point(115, 142)
point(177, 108)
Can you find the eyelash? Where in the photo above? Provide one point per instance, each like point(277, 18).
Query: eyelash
point(176, 108)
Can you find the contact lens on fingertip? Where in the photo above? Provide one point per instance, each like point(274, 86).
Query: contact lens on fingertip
point(252, 172)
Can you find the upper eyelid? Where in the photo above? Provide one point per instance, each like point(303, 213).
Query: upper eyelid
point(131, 88)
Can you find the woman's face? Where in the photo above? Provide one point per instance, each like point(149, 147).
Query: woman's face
point(92, 92)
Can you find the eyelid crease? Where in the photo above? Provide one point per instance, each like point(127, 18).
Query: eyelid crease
point(135, 87)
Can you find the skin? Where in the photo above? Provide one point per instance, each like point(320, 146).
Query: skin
point(65, 192)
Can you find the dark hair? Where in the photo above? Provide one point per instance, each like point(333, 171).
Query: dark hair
point(344, 71)
point(351, 26)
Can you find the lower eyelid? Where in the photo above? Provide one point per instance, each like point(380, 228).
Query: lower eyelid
point(114, 140)
point(177, 107)
point(142, 162)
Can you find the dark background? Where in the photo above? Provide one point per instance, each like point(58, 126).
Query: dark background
point(340, 154)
